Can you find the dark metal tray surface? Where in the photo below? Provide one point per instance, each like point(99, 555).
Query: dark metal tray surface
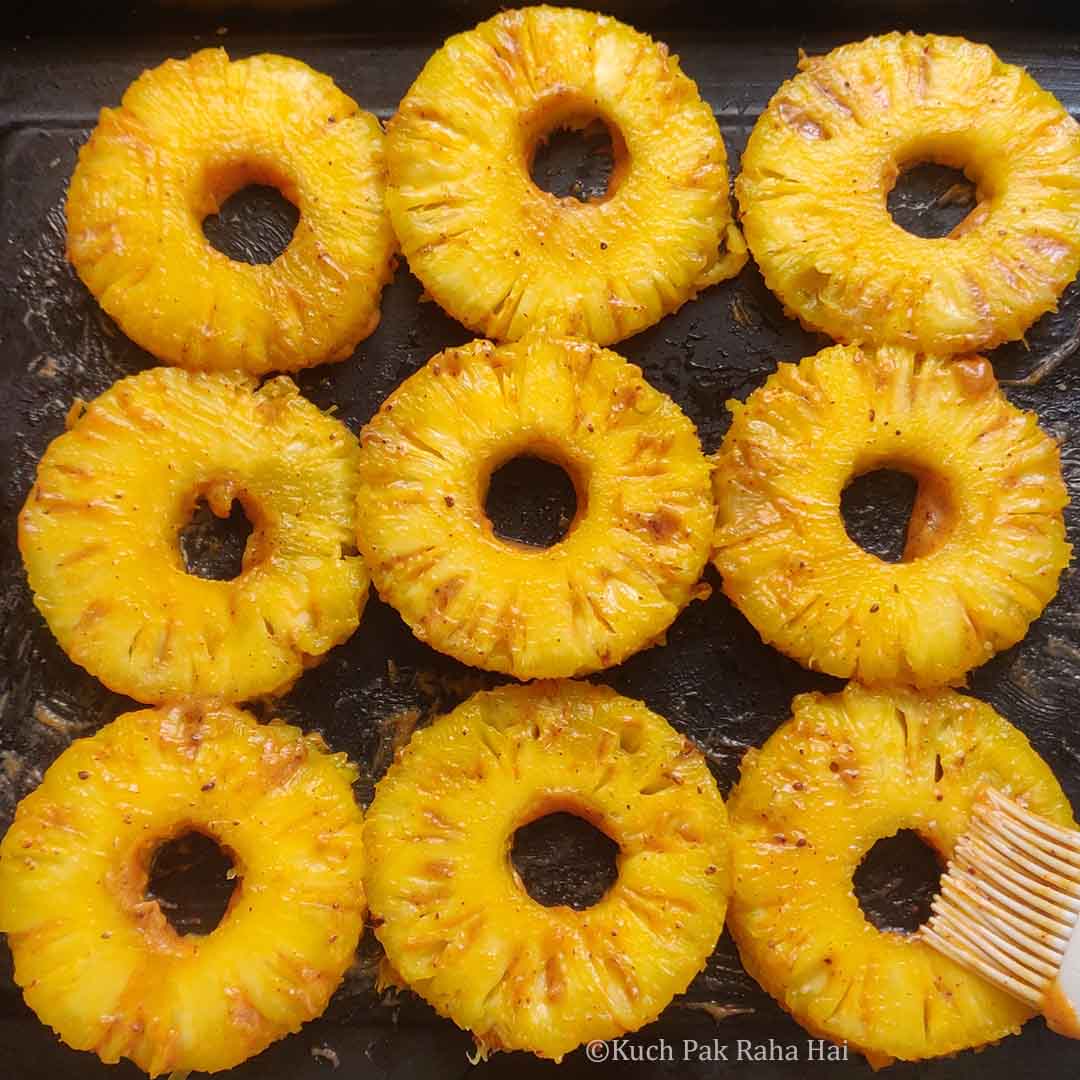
point(713, 679)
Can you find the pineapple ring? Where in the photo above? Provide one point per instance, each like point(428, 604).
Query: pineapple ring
point(97, 959)
point(846, 770)
point(824, 155)
point(634, 553)
point(504, 257)
point(452, 913)
point(189, 134)
point(985, 547)
point(99, 535)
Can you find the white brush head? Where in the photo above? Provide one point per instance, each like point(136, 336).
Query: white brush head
point(1008, 908)
point(1061, 1003)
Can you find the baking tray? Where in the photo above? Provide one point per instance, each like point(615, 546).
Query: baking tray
point(713, 679)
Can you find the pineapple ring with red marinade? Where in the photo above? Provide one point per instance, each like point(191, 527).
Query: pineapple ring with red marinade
point(985, 544)
point(452, 912)
point(189, 134)
point(635, 550)
point(503, 256)
point(95, 955)
point(845, 771)
point(100, 535)
point(823, 157)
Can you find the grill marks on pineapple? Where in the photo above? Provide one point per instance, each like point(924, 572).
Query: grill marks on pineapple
point(799, 925)
point(214, 769)
point(799, 119)
point(547, 259)
point(81, 553)
point(627, 559)
point(564, 747)
point(153, 445)
point(962, 562)
point(327, 158)
point(798, 194)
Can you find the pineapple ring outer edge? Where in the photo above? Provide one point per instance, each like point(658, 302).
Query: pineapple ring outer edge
point(634, 554)
point(844, 771)
point(454, 917)
point(986, 543)
point(504, 257)
point(824, 155)
point(99, 533)
point(187, 135)
point(98, 961)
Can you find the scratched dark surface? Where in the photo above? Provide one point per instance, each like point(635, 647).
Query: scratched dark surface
point(714, 679)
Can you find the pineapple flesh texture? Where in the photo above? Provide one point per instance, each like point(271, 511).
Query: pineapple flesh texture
point(633, 556)
point(452, 913)
point(97, 960)
point(503, 256)
point(846, 770)
point(986, 542)
point(99, 535)
point(825, 154)
point(188, 135)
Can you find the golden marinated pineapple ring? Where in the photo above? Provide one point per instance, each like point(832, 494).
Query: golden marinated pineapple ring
point(825, 154)
point(634, 553)
point(985, 545)
point(96, 958)
point(845, 771)
point(188, 135)
point(503, 256)
point(99, 535)
point(452, 912)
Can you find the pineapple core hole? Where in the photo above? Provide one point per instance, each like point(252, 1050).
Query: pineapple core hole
point(531, 501)
point(896, 882)
point(877, 508)
point(213, 547)
point(253, 225)
point(192, 880)
point(562, 859)
point(576, 160)
point(931, 200)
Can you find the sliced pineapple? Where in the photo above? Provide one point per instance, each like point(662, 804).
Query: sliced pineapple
point(846, 770)
point(452, 913)
point(189, 134)
point(503, 256)
point(634, 553)
point(98, 961)
point(986, 542)
point(825, 154)
point(99, 535)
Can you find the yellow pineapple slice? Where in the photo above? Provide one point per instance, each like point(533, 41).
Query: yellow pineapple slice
point(503, 256)
point(452, 913)
point(634, 553)
point(986, 542)
point(825, 154)
point(188, 135)
point(98, 961)
point(845, 771)
point(99, 535)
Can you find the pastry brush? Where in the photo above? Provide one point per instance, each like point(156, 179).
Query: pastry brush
point(1008, 908)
